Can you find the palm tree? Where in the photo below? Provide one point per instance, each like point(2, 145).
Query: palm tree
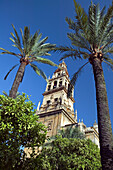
point(71, 132)
point(68, 132)
point(92, 39)
point(30, 50)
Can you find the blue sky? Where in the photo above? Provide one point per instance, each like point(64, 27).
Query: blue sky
point(48, 16)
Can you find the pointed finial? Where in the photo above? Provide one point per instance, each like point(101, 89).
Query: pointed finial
point(63, 61)
point(76, 114)
point(95, 123)
point(38, 106)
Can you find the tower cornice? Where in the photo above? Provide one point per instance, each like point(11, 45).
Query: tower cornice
point(56, 90)
point(53, 112)
point(55, 78)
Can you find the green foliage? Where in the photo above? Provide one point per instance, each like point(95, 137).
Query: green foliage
point(71, 132)
point(69, 154)
point(81, 17)
point(68, 132)
point(18, 129)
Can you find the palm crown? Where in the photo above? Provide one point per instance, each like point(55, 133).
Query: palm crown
point(92, 35)
point(71, 132)
point(31, 49)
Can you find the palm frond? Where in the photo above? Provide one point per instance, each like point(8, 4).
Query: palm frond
point(46, 47)
point(99, 34)
point(72, 54)
point(91, 23)
point(45, 61)
point(71, 132)
point(72, 24)
point(107, 50)
point(10, 71)
point(94, 16)
point(35, 68)
point(38, 37)
point(16, 40)
point(33, 40)
point(110, 65)
point(42, 50)
point(95, 19)
point(108, 59)
point(99, 19)
point(107, 17)
point(40, 42)
point(12, 40)
point(106, 24)
point(38, 71)
point(85, 55)
point(78, 41)
point(8, 52)
point(22, 36)
point(102, 13)
point(26, 39)
point(63, 49)
point(107, 38)
point(81, 17)
point(74, 79)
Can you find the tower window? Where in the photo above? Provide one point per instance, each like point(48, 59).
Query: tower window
point(49, 87)
point(48, 103)
point(65, 84)
point(49, 126)
point(60, 83)
point(60, 100)
point(55, 84)
point(58, 74)
point(56, 99)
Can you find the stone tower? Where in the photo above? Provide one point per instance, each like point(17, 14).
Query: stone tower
point(57, 110)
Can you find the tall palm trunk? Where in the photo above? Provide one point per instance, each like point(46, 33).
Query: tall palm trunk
point(17, 80)
point(104, 123)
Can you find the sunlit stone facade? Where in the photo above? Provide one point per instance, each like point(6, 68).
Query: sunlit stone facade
point(57, 110)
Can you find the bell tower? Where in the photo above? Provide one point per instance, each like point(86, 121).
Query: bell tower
point(57, 110)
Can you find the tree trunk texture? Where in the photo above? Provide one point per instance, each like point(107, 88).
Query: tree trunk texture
point(17, 80)
point(104, 123)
